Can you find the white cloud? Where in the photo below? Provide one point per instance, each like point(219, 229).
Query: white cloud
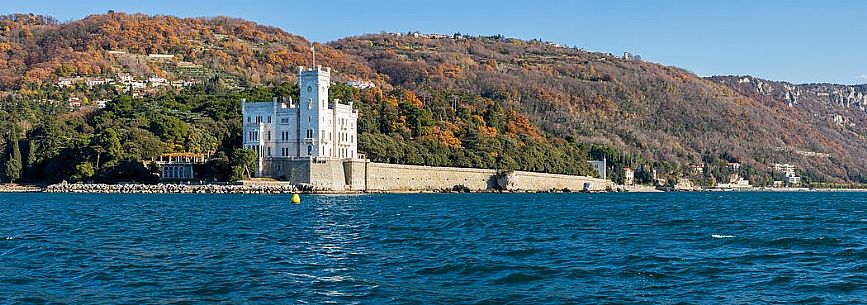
point(862, 77)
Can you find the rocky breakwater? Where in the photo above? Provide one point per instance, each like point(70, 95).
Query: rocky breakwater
point(170, 189)
point(15, 188)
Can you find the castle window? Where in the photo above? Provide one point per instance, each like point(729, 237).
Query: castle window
point(268, 136)
point(269, 151)
point(269, 119)
point(309, 150)
point(248, 119)
point(309, 103)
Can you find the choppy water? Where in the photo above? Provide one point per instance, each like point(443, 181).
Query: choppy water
point(426, 249)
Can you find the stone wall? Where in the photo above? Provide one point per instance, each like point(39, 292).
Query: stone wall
point(362, 175)
point(170, 189)
point(355, 172)
point(395, 177)
point(328, 175)
point(530, 181)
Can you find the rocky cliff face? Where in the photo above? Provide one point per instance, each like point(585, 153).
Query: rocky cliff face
point(840, 105)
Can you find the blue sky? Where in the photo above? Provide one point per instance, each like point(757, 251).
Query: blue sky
point(793, 40)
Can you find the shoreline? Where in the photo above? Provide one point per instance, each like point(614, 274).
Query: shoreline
point(292, 189)
point(246, 189)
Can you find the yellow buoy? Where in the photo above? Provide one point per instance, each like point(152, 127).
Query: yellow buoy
point(296, 199)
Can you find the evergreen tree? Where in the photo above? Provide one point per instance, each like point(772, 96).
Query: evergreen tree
point(13, 165)
point(83, 172)
point(111, 143)
point(30, 164)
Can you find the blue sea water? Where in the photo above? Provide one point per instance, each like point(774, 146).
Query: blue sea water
point(699, 248)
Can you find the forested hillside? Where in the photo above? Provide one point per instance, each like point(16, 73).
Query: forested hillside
point(171, 84)
point(36, 49)
point(644, 110)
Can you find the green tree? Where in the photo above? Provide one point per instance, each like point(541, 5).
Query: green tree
point(30, 163)
point(13, 163)
point(493, 116)
point(109, 143)
point(243, 162)
point(83, 172)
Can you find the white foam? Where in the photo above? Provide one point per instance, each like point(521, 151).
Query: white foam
point(722, 236)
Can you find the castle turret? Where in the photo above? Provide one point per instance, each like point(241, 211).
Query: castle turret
point(313, 104)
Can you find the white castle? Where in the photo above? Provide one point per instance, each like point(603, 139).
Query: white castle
point(312, 129)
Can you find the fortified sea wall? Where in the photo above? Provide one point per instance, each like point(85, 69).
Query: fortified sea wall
point(363, 175)
point(532, 181)
point(394, 177)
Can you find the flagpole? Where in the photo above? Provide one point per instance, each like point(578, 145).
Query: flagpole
point(313, 49)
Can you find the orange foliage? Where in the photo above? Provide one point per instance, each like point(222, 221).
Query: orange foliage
point(520, 125)
point(443, 136)
point(450, 71)
point(228, 44)
point(410, 97)
point(487, 131)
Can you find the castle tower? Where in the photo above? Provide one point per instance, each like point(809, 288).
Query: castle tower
point(313, 110)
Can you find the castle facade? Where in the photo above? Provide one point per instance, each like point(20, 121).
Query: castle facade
point(311, 128)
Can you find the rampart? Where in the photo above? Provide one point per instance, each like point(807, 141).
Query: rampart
point(363, 175)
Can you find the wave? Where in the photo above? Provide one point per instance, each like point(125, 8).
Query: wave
point(521, 252)
point(648, 274)
point(676, 222)
point(721, 236)
point(518, 278)
point(804, 242)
